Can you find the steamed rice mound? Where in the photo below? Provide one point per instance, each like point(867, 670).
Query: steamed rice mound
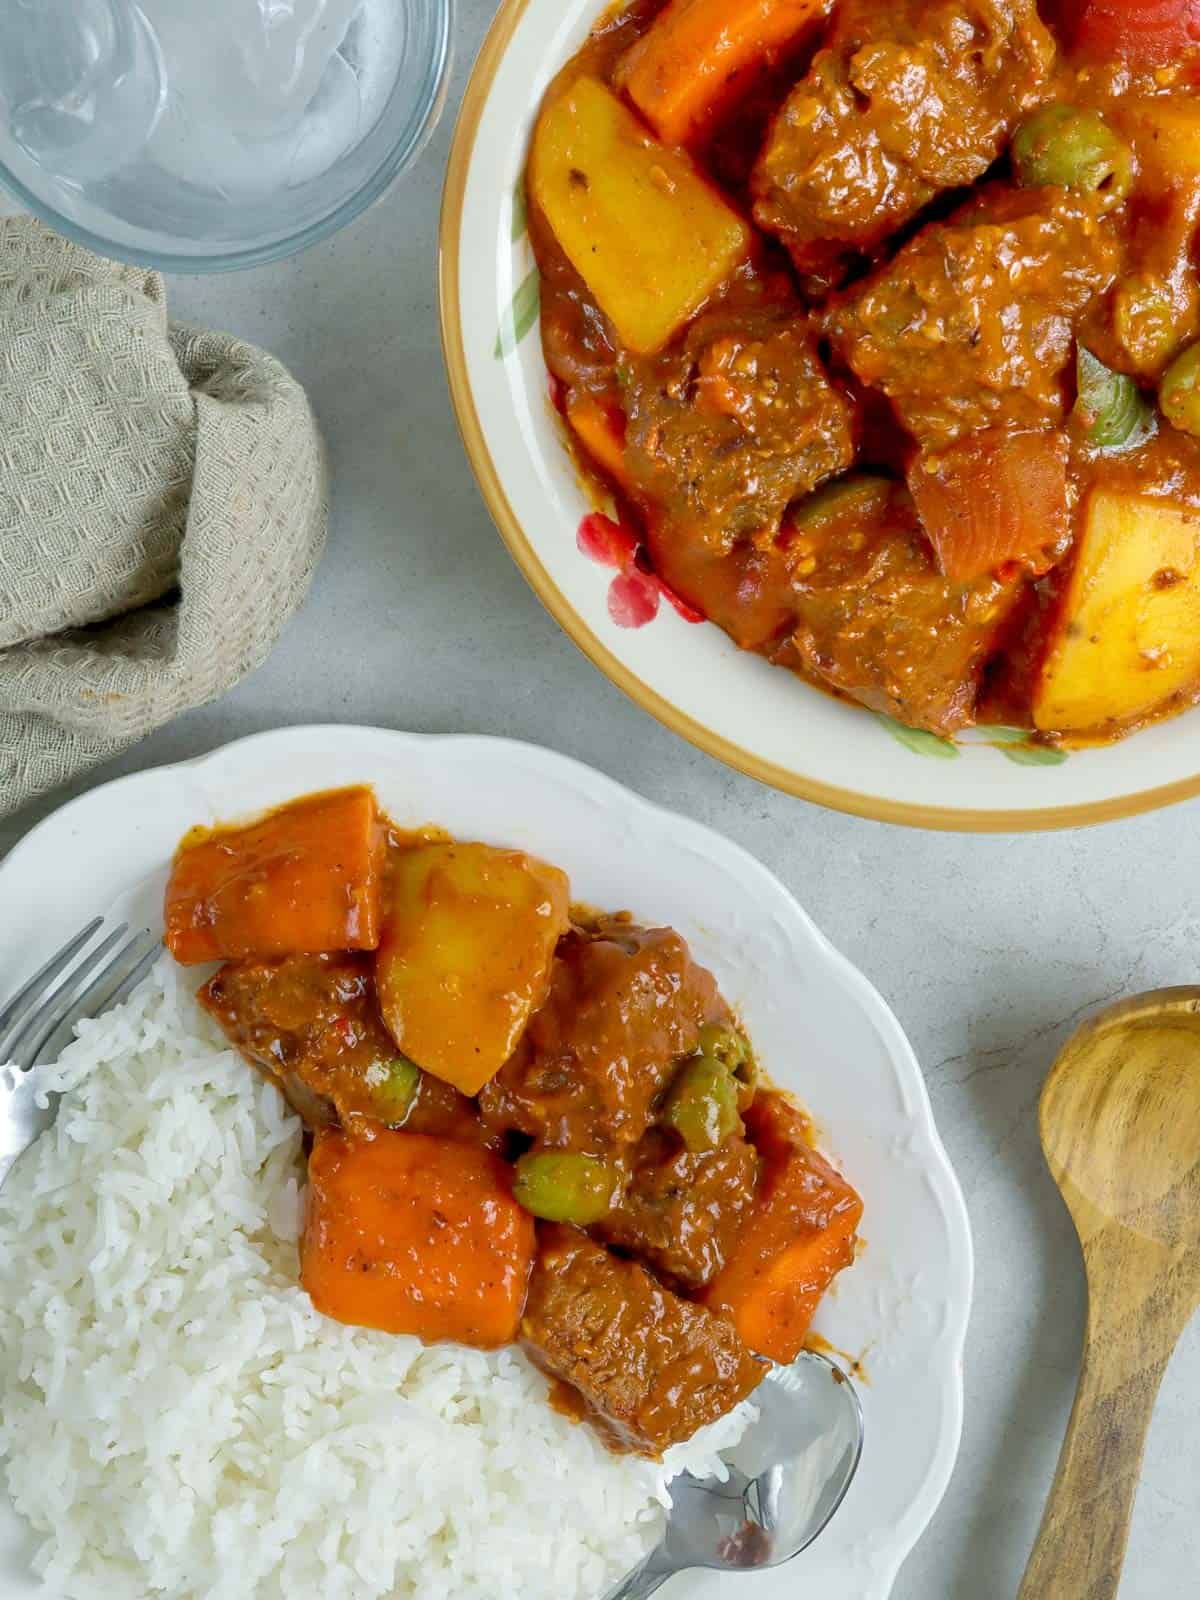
point(178, 1420)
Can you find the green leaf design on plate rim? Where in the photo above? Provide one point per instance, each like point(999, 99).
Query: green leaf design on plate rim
point(919, 741)
point(521, 315)
point(520, 220)
point(1016, 745)
point(1033, 755)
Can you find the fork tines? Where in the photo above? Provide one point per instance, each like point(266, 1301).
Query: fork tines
point(38, 1023)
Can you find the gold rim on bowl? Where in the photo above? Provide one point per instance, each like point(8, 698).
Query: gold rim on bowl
point(875, 807)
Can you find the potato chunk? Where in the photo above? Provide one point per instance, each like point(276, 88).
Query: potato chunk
point(468, 937)
point(1128, 637)
point(1167, 133)
point(648, 235)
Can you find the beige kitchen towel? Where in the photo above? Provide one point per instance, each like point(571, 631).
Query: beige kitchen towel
point(163, 504)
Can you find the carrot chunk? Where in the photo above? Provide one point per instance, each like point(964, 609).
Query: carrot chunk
point(799, 1236)
point(995, 499)
point(415, 1235)
point(304, 879)
point(698, 54)
point(600, 429)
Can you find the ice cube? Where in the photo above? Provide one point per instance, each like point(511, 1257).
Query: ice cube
point(332, 126)
point(254, 65)
point(241, 167)
point(289, 44)
point(195, 143)
point(81, 83)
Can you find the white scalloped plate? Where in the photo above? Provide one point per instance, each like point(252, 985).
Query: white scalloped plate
point(822, 1030)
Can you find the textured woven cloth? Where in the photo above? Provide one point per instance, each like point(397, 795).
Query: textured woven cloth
point(162, 507)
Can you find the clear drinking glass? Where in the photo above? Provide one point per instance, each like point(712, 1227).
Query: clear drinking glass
point(202, 135)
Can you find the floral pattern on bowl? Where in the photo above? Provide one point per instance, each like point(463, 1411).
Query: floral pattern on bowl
point(634, 594)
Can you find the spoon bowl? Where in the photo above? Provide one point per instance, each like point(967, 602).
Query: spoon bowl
point(1120, 1123)
point(787, 1476)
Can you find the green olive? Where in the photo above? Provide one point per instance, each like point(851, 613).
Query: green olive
point(396, 1093)
point(725, 1045)
point(732, 1049)
point(563, 1186)
point(702, 1105)
point(1067, 148)
point(1145, 318)
point(1179, 391)
point(862, 495)
point(1110, 406)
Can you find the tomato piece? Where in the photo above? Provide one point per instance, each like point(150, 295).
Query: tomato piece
point(1146, 33)
point(994, 500)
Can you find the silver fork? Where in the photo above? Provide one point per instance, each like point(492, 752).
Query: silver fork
point(39, 1021)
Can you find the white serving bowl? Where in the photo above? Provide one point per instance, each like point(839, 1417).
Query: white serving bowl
point(733, 705)
point(820, 1028)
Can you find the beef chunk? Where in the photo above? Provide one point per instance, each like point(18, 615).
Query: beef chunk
point(972, 325)
point(877, 621)
point(730, 424)
point(682, 1211)
point(909, 98)
point(650, 1367)
point(625, 1004)
point(312, 1024)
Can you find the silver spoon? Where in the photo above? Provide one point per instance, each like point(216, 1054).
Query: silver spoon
point(787, 1477)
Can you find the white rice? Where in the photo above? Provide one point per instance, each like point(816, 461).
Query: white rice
point(178, 1420)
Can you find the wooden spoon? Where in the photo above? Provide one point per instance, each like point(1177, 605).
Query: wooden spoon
point(1120, 1119)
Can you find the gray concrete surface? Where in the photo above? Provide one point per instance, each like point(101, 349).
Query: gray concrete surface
point(989, 949)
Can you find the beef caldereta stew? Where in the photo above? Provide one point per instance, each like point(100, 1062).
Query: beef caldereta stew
point(880, 322)
point(529, 1121)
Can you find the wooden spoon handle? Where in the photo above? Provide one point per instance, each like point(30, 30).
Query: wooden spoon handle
point(1081, 1546)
